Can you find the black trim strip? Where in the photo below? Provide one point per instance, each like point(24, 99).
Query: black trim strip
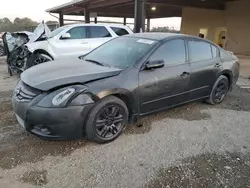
point(179, 104)
point(175, 95)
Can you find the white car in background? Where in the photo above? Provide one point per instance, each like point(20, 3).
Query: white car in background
point(74, 40)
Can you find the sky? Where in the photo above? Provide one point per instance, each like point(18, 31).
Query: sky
point(35, 9)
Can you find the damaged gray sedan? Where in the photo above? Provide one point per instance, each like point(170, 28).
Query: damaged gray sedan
point(98, 94)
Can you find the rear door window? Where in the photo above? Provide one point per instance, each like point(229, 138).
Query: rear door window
point(78, 32)
point(120, 31)
point(199, 51)
point(98, 32)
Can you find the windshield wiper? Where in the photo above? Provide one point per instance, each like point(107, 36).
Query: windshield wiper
point(95, 62)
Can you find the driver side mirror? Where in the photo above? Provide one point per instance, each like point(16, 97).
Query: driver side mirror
point(154, 64)
point(66, 36)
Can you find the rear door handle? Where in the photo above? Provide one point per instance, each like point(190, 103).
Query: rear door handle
point(217, 65)
point(84, 42)
point(185, 74)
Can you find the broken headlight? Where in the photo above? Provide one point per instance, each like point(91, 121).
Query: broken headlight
point(69, 96)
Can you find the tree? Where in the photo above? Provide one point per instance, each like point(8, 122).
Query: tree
point(19, 24)
point(6, 21)
point(51, 22)
point(17, 21)
point(164, 29)
point(5, 24)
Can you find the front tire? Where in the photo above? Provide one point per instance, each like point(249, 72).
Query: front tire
point(219, 91)
point(39, 58)
point(107, 120)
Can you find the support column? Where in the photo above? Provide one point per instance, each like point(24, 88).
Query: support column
point(61, 21)
point(124, 21)
point(87, 15)
point(148, 25)
point(96, 20)
point(139, 15)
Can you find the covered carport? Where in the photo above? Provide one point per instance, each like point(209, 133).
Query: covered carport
point(225, 22)
point(138, 9)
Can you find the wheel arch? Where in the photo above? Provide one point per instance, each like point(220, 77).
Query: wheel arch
point(124, 95)
point(44, 52)
point(229, 75)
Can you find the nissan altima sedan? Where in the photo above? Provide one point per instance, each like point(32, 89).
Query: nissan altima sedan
point(95, 96)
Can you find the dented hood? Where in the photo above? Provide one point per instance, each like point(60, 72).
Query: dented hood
point(63, 72)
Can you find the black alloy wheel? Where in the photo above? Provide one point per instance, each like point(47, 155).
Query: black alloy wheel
point(219, 91)
point(107, 120)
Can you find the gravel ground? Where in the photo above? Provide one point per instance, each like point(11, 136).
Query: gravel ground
point(196, 145)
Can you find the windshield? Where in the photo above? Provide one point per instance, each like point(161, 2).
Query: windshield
point(57, 31)
point(121, 52)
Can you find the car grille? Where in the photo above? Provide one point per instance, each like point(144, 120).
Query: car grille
point(24, 93)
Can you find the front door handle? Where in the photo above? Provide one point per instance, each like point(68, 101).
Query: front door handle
point(217, 65)
point(185, 74)
point(84, 42)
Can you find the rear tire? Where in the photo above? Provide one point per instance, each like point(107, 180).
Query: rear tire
point(107, 120)
point(219, 91)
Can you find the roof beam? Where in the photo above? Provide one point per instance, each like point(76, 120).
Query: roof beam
point(67, 5)
point(73, 9)
point(97, 4)
point(162, 11)
point(107, 3)
point(190, 3)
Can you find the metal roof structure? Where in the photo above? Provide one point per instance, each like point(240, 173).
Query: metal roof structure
point(137, 9)
point(125, 8)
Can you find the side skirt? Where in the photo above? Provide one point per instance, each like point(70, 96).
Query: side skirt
point(173, 106)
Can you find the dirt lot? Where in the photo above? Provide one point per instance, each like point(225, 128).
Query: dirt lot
point(196, 145)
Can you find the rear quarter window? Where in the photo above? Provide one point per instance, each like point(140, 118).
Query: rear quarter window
point(120, 31)
point(214, 51)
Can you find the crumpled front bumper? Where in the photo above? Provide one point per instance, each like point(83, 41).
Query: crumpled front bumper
point(51, 123)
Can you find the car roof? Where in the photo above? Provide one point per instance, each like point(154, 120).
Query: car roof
point(155, 35)
point(98, 24)
point(160, 36)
